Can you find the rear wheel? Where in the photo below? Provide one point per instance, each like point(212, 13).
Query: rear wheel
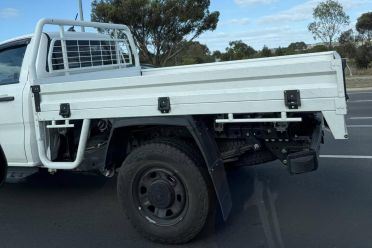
point(164, 191)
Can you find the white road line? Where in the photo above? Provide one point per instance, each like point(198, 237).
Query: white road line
point(346, 156)
point(361, 118)
point(359, 92)
point(360, 101)
point(359, 126)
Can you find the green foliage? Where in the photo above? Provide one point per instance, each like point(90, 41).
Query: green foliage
point(159, 27)
point(329, 19)
point(288, 51)
point(297, 46)
point(266, 52)
point(194, 53)
point(238, 50)
point(347, 37)
point(280, 51)
point(217, 55)
point(318, 49)
point(347, 50)
point(347, 47)
point(364, 26)
point(363, 56)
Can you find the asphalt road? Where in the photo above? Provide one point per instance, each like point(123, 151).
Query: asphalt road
point(331, 207)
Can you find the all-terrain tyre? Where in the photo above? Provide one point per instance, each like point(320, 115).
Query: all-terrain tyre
point(165, 192)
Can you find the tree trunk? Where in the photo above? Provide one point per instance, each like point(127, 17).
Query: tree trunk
point(330, 43)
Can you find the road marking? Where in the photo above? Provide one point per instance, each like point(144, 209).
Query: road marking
point(359, 126)
point(346, 156)
point(361, 118)
point(359, 92)
point(360, 101)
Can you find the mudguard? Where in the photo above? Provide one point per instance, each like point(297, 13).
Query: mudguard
point(207, 145)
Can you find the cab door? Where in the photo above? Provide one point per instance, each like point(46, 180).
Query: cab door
point(11, 109)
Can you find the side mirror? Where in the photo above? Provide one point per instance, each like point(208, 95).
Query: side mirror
point(3, 167)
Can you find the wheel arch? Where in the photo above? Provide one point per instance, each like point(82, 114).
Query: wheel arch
point(202, 136)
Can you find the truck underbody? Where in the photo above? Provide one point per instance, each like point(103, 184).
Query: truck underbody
point(239, 144)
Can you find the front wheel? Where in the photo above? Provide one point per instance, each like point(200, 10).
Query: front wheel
point(164, 191)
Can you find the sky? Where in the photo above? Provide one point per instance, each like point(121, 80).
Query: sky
point(257, 22)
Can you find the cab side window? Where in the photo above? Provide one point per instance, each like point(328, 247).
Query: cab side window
point(10, 64)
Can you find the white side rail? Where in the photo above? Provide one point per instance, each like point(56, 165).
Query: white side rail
point(39, 126)
point(40, 138)
point(62, 24)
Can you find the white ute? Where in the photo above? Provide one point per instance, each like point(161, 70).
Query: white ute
point(81, 101)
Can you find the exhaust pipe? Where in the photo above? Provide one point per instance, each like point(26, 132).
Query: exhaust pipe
point(3, 167)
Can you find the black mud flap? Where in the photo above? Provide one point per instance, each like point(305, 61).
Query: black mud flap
point(307, 160)
point(216, 169)
point(302, 162)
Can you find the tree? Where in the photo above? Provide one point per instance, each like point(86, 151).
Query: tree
point(364, 26)
point(347, 46)
point(279, 51)
point(329, 19)
point(297, 46)
point(363, 56)
point(266, 52)
point(347, 37)
point(194, 53)
point(238, 50)
point(217, 55)
point(161, 28)
point(318, 49)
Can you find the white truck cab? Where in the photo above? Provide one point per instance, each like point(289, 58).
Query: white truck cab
point(81, 101)
point(13, 78)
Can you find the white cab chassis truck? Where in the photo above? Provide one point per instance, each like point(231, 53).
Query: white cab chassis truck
point(81, 101)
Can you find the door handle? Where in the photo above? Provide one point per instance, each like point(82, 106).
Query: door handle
point(7, 99)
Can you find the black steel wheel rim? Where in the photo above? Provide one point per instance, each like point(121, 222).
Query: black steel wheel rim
point(160, 196)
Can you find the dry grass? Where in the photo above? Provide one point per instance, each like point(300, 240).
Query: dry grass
point(361, 78)
point(361, 72)
point(357, 72)
point(359, 82)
